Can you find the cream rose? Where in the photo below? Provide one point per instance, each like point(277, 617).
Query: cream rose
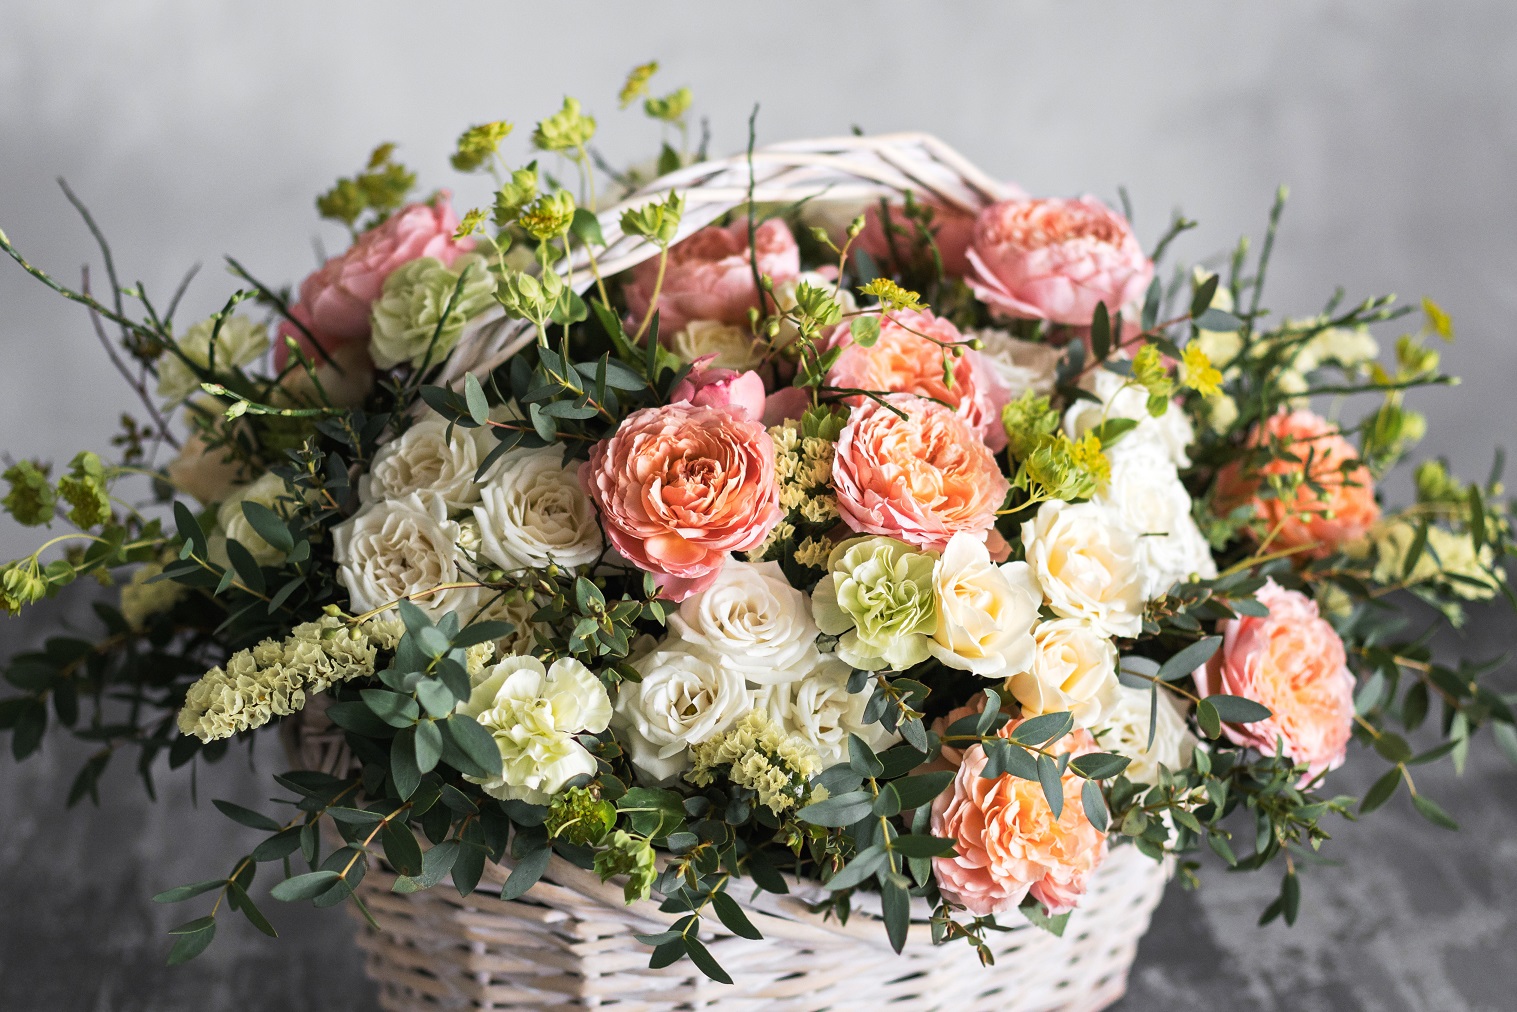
point(428, 461)
point(1087, 566)
point(239, 342)
point(985, 612)
point(819, 708)
point(1074, 669)
point(533, 512)
point(397, 548)
point(733, 346)
point(233, 525)
point(1145, 495)
point(533, 713)
point(683, 699)
point(1171, 430)
point(754, 620)
point(1125, 731)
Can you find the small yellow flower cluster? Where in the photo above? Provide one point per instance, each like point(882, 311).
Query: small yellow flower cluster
point(803, 468)
point(273, 678)
point(761, 757)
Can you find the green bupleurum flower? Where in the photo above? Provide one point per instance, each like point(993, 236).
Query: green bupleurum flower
point(565, 130)
point(407, 314)
point(631, 856)
point(877, 597)
point(83, 488)
point(32, 497)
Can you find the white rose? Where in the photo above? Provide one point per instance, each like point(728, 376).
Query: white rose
point(985, 612)
point(734, 347)
point(1022, 365)
point(1087, 566)
point(397, 548)
point(1075, 669)
point(240, 341)
point(819, 709)
point(1171, 430)
point(683, 699)
point(1145, 495)
point(427, 461)
point(1125, 731)
point(533, 713)
point(533, 512)
point(233, 525)
point(754, 620)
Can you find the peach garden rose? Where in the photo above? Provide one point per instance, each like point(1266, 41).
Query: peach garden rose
point(921, 478)
point(709, 275)
point(1294, 663)
point(681, 486)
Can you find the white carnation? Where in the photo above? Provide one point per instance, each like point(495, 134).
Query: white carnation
point(1022, 365)
point(428, 461)
point(1087, 566)
point(534, 713)
point(819, 709)
point(754, 620)
point(1125, 731)
point(1075, 669)
point(534, 512)
point(1145, 495)
point(240, 342)
point(397, 548)
point(683, 699)
point(1171, 430)
point(985, 612)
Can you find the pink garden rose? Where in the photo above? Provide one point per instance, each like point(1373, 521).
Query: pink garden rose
point(721, 388)
point(335, 300)
point(1009, 843)
point(903, 361)
point(1292, 662)
point(709, 276)
point(1317, 522)
point(1056, 259)
point(681, 486)
point(952, 231)
point(921, 478)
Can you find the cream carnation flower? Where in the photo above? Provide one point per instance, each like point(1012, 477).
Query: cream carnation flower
point(534, 512)
point(398, 548)
point(1087, 566)
point(426, 460)
point(819, 709)
point(733, 345)
point(985, 612)
point(533, 713)
point(240, 342)
point(1125, 731)
point(1075, 669)
point(1145, 495)
point(1022, 365)
point(1171, 430)
point(754, 620)
point(684, 699)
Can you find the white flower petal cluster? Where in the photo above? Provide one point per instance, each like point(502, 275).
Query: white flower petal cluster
point(1074, 670)
point(239, 342)
point(394, 548)
point(1171, 430)
point(753, 621)
point(1144, 495)
point(1087, 566)
point(819, 709)
point(533, 512)
point(684, 698)
point(533, 713)
point(985, 611)
point(428, 461)
point(1022, 365)
point(1124, 730)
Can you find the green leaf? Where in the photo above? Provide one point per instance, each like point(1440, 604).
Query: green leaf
point(189, 529)
point(1414, 553)
point(482, 632)
point(1506, 738)
point(861, 758)
point(250, 911)
point(895, 904)
point(923, 846)
point(401, 848)
point(179, 894)
point(435, 865)
point(474, 742)
point(528, 871)
point(865, 330)
point(269, 525)
point(653, 812)
point(393, 708)
point(863, 865)
point(1392, 747)
point(1188, 660)
point(1218, 320)
point(1100, 335)
point(922, 788)
point(731, 914)
point(1053, 784)
point(1045, 728)
point(278, 846)
point(1113, 429)
point(704, 961)
point(304, 887)
point(1238, 710)
point(1204, 295)
point(1432, 813)
point(1477, 517)
point(666, 953)
point(839, 810)
point(1382, 790)
point(357, 717)
point(1034, 911)
point(190, 945)
point(1207, 718)
point(1099, 765)
point(405, 774)
point(1290, 897)
point(586, 226)
point(246, 566)
point(474, 396)
point(1094, 805)
point(247, 817)
point(428, 746)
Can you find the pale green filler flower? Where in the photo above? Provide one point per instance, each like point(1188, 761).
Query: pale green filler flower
point(878, 597)
point(776, 765)
point(631, 856)
point(239, 342)
point(415, 296)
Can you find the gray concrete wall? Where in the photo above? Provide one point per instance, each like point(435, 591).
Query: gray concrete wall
point(196, 129)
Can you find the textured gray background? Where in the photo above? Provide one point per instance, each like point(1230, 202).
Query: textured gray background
point(197, 129)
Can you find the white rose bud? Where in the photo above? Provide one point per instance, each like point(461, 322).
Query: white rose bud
point(754, 620)
point(1075, 669)
point(1087, 566)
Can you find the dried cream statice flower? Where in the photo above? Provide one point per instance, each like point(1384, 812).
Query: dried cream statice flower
point(758, 755)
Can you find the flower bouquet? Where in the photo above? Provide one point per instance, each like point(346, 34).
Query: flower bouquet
point(745, 567)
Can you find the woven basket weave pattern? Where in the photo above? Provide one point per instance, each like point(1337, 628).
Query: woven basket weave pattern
point(568, 943)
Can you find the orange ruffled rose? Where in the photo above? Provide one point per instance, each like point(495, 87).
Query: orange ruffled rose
point(1292, 662)
point(1009, 843)
point(902, 361)
point(921, 478)
point(681, 486)
point(1343, 511)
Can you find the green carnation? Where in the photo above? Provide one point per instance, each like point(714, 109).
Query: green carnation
point(878, 597)
point(415, 296)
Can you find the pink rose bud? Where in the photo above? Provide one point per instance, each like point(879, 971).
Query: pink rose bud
point(721, 388)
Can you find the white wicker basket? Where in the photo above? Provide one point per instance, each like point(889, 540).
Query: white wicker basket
point(568, 943)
